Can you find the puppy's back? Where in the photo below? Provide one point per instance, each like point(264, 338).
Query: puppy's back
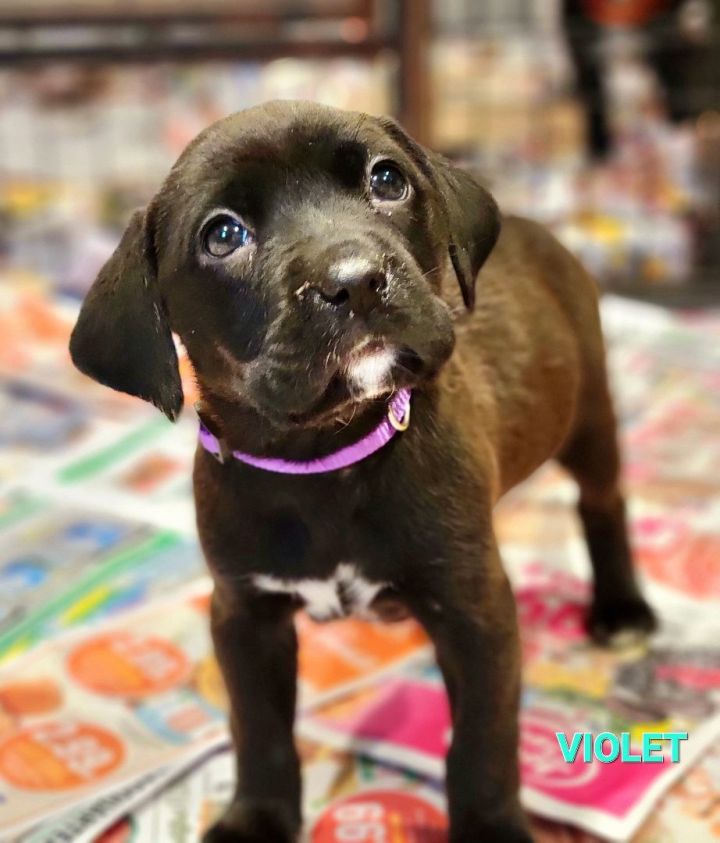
point(535, 336)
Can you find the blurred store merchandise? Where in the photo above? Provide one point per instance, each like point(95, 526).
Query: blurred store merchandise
point(97, 99)
point(511, 97)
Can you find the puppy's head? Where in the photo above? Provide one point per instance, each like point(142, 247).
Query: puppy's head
point(303, 255)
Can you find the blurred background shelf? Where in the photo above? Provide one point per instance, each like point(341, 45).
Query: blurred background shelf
point(696, 292)
point(154, 31)
point(570, 117)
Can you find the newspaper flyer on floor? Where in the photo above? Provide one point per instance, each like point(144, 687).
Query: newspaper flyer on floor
point(570, 686)
point(96, 709)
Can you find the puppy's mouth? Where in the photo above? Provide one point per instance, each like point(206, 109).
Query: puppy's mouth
point(371, 372)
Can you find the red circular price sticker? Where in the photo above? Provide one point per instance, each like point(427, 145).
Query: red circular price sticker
point(59, 756)
point(125, 665)
point(381, 816)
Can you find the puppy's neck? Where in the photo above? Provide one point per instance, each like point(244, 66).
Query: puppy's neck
point(242, 428)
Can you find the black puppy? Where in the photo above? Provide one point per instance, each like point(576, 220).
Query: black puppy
point(310, 261)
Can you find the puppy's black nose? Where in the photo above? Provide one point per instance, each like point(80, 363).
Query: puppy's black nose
point(353, 284)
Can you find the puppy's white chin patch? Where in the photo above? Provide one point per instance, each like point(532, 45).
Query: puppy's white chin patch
point(369, 373)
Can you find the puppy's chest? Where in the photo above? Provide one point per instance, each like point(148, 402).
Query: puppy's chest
point(345, 592)
point(327, 553)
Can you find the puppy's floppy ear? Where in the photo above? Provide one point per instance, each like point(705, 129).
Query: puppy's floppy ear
point(469, 211)
point(473, 221)
point(122, 337)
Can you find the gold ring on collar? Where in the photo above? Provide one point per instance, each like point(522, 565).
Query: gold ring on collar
point(399, 424)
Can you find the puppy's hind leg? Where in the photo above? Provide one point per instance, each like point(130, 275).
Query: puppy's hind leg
point(591, 456)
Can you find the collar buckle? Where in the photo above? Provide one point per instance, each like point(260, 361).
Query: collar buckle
point(399, 424)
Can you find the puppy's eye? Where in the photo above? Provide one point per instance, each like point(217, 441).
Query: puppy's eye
point(387, 183)
point(224, 235)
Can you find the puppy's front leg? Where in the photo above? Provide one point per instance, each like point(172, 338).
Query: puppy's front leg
point(472, 622)
point(256, 648)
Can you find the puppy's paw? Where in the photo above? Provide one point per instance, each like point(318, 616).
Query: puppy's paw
point(246, 824)
point(621, 622)
point(492, 834)
point(510, 828)
point(222, 833)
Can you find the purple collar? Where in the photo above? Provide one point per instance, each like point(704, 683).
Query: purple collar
point(396, 420)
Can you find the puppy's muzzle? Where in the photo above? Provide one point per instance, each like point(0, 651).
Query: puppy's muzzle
point(353, 285)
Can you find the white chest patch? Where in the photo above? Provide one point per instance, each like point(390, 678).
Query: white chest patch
point(369, 374)
point(345, 593)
